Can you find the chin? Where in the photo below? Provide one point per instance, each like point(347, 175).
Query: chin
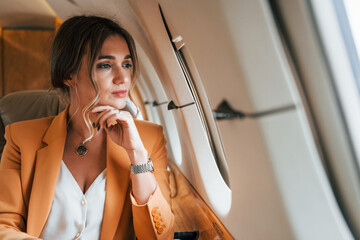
point(118, 104)
point(121, 106)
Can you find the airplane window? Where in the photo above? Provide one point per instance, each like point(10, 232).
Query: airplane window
point(349, 23)
point(337, 27)
point(155, 103)
point(211, 129)
point(352, 9)
point(207, 117)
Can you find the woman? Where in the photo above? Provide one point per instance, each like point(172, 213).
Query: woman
point(91, 172)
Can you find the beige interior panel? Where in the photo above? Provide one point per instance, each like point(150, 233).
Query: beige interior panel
point(26, 60)
point(20, 13)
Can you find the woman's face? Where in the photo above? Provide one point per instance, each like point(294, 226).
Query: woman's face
point(112, 70)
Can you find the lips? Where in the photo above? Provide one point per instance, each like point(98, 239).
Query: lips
point(120, 93)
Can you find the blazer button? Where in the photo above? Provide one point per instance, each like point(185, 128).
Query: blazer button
point(160, 230)
point(156, 218)
point(157, 224)
point(153, 211)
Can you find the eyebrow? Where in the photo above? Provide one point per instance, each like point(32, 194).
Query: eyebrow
point(112, 57)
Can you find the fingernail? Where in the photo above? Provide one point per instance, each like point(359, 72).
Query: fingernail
point(98, 126)
point(93, 124)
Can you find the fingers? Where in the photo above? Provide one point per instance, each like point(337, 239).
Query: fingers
point(100, 112)
point(108, 116)
point(104, 116)
point(99, 109)
point(113, 120)
point(96, 123)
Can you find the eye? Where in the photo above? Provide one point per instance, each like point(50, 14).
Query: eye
point(103, 65)
point(127, 65)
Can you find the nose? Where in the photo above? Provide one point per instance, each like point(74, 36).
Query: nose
point(120, 76)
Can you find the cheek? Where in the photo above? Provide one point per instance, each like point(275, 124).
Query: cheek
point(84, 87)
point(102, 90)
point(105, 89)
point(129, 80)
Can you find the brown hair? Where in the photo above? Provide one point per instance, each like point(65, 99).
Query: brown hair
point(76, 37)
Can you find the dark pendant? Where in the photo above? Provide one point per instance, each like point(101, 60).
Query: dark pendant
point(81, 150)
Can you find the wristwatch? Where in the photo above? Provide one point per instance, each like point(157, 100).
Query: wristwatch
point(146, 167)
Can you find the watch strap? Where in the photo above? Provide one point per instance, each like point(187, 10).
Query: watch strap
point(141, 168)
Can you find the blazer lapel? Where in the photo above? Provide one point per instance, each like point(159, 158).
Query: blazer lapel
point(48, 161)
point(47, 166)
point(117, 184)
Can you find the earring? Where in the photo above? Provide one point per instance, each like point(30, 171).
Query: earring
point(68, 83)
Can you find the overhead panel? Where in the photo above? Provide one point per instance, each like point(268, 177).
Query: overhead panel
point(26, 14)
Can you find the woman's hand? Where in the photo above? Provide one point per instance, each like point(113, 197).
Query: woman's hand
point(120, 126)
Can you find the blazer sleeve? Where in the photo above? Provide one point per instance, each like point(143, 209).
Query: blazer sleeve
point(13, 212)
point(155, 220)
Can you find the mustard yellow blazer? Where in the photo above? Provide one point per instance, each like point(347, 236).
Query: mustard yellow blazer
point(29, 170)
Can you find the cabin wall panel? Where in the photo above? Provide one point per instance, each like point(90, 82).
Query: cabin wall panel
point(308, 197)
point(241, 209)
point(233, 49)
point(26, 59)
point(257, 202)
point(235, 60)
point(239, 56)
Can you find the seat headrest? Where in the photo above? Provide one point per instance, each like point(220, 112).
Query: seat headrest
point(26, 105)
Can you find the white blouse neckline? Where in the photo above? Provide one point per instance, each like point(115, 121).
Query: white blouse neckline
point(100, 177)
point(75, 215)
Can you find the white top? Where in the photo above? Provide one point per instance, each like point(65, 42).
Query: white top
point(75, 215)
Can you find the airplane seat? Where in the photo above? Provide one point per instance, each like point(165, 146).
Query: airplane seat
point(32, 104)
point(26, 105)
